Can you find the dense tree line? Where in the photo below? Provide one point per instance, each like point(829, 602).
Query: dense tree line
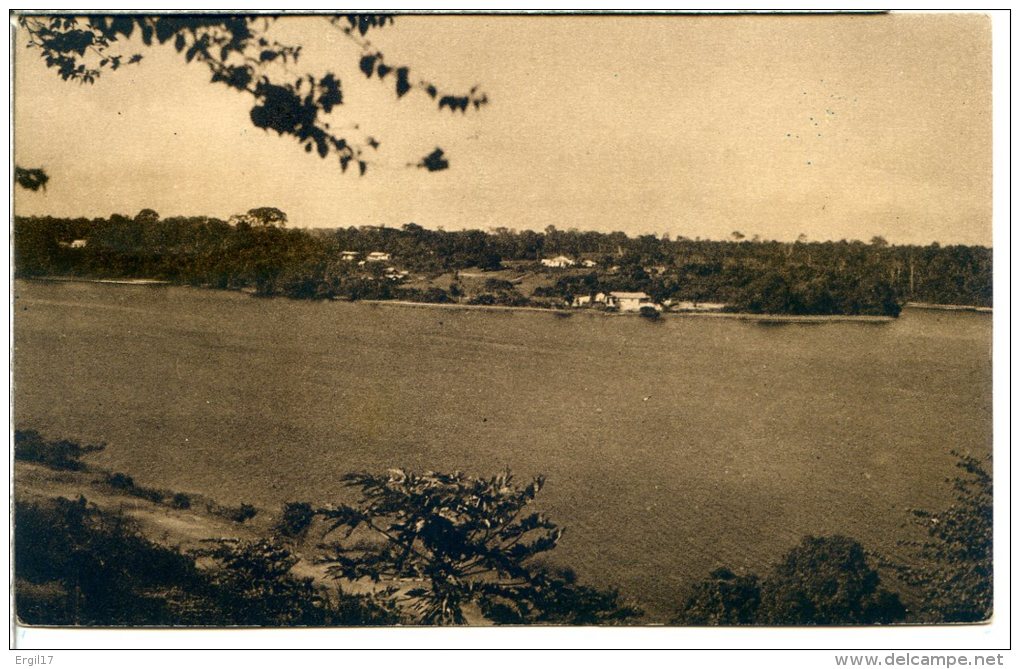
point(260, 253)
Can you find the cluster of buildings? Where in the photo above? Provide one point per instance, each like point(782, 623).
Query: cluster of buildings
point(634, 302)
point(375, 257)
point(622, 301)
point(564, 261)
point(617, 300)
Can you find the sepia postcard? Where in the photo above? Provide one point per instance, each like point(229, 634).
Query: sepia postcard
point(483, 319)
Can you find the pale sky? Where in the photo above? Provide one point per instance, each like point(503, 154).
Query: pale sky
point(834, 127)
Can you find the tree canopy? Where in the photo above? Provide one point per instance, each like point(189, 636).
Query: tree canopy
point(266, 216)
point(760, 277)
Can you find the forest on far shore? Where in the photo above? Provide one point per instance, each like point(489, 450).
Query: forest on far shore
point(258, 252)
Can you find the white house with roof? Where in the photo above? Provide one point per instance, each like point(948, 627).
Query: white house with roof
point(558, 261)
point(348, 256)
point(377, 256)
point(631, 302)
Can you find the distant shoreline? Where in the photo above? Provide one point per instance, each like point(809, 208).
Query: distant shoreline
point(948, 307)
point(76, 279)
point(777, 318)
point(766, 318)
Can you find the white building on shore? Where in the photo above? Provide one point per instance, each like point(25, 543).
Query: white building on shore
point(558, 261)
point(631, 302)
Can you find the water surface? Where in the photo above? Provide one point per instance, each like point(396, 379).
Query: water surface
point(669, 447)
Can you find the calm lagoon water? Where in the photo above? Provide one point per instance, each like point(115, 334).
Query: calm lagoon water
point(669, 448)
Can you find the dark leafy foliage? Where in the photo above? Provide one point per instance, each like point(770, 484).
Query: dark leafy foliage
point(296, 518)
point(557, 599)
point(252, 584)
point(30, 446)
point(265, 217)
point(180, 501)
point(723, 599)
point(120, 481)
point(31, 178)
point(954, 568)
point(362, 22)
point(147, 217)
point(238, 53)
point(372, 62)
point(88, 568)
point(498, 285)
point(76, 565)
point(459, 542)
point(827, 581)
point(241, 513)
point(822, 581)
point(125, 484)
point(435, 161)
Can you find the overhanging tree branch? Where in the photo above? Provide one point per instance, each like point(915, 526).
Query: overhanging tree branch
point(240, 54)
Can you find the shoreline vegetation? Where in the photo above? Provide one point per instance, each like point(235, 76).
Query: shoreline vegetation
point(559, 311)
point(554, 269)
point(779, 318)
point(88, 552)
point(949, 307)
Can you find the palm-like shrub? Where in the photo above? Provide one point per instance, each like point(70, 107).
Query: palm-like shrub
point(456, 542)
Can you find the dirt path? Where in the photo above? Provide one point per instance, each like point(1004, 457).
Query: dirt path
point(181, 529)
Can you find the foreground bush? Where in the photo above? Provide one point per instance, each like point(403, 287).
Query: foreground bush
point(297, 516)
point(76, 565)
point(237, 514)
point(723, 599)
point(125, 484)
point(827, 581)
point(460, 543)
point(822, 581)
point(555, 597)
point(253, 585)
point(953, 571)
point(29, 446)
